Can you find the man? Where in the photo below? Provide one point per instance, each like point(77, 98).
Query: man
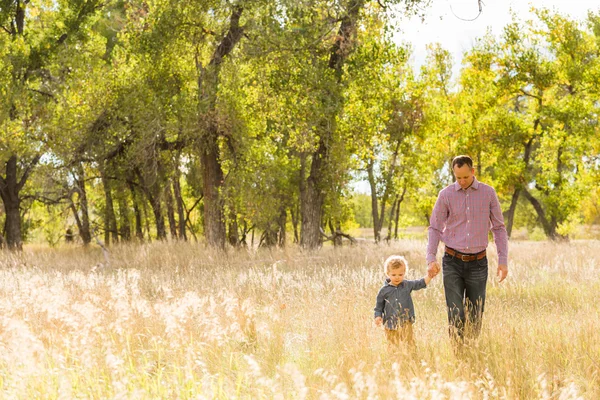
point(463, 215)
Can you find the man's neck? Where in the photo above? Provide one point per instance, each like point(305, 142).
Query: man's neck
point(470, 184)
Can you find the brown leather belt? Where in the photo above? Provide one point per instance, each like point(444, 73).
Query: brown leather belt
point(464, 257)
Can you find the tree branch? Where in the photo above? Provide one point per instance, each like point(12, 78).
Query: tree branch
point(540, 212)
point(32, 164)
point(44, 94)
point(44, 199)
point(336, 234)
point(526, 93)
point(188, 212)
point(231, 38)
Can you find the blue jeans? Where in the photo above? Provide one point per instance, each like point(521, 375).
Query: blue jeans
point(464, 286)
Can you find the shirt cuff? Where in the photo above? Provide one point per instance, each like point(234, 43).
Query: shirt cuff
point(503, 260)
point(431, 258)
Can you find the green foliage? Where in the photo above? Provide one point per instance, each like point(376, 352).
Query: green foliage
point(130, 92)
point(361, 208)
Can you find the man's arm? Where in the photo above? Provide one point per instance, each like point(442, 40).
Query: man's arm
point(437, 223)
point(500, 235)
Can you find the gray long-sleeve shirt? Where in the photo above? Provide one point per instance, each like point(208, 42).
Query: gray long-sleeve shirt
point(394, 303)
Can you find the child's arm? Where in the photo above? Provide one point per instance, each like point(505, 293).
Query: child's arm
point(427, 279)
point(419, 284)
point(379, 305)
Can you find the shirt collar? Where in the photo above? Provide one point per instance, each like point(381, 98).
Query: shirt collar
point(474, 185)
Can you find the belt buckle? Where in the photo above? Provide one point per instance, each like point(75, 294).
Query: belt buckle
point(462, 257)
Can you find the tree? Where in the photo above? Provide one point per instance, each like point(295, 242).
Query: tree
point(32, 73)
point(544, 105)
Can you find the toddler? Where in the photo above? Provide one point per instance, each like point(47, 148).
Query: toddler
point(394, 308)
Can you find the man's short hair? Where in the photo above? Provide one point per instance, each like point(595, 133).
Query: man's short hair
point(462, 160)
point(394, 262)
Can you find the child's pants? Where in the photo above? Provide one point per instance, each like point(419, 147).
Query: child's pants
point(404, 333)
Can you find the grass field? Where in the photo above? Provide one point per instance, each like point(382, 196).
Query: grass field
point(176, 321)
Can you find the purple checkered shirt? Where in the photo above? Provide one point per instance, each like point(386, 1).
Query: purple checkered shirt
point(462, 219)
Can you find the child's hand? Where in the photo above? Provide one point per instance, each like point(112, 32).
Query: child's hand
point(378, 321)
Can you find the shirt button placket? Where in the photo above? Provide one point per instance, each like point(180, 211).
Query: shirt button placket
point(468, 217)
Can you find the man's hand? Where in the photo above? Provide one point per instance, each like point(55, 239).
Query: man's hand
point(502, 271)
point(434, 269)
point(378, 321)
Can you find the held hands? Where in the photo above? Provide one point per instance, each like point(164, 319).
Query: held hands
point(434, 269)
point(378, 321)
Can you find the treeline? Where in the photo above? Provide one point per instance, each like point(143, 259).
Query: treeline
point(214, 119)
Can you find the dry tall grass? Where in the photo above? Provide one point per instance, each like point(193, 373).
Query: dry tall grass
point(177, 321)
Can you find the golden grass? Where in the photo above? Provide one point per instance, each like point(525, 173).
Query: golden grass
point(177, 321)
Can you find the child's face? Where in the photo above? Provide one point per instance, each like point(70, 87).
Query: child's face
point(396, 275)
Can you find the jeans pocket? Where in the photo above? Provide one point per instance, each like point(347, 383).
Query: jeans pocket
point(483, 263)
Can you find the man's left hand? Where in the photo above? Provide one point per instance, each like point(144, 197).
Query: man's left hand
point(502, 271)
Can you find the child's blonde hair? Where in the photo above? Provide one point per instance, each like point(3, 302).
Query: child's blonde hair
point(394, 262)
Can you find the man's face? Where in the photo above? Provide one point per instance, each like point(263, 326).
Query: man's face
point(464, 175)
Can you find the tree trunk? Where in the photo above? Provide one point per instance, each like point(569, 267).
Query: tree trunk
point(76, 216)
point(233, 234)
point(294, 215)
point(337, 236)
point(282, 225)
point(268, 238)
point(212, 174)
point(124, 218)
point(374, 201)
point(170, 211)
point(179, 202)
point(509, 215)
point(208, 82)
point(312, 198)
point(83, 223)
point(161, 232)
point(147, 219)
point(110, 221)
point(548, 226)
point(397, 216)
point(139, 232)
point(314, 192)
point(12, 224)
point(397, 219)
point(10, 197)
point(395, 204)
point(10, 187)
point(153, 193)
point(400, 201)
